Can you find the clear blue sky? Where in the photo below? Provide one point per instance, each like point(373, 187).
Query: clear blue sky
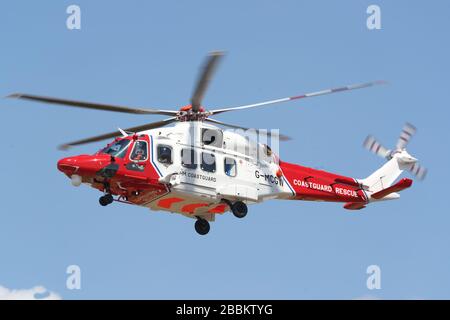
point(147, 54)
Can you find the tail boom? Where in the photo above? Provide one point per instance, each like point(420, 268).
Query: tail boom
point(318, 185)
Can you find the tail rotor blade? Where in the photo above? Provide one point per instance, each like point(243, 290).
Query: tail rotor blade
point(374, 146)
point(408, 131)
point(419, 171)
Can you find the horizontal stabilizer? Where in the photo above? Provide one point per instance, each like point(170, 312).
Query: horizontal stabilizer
point(399, 186)
point(354, 205)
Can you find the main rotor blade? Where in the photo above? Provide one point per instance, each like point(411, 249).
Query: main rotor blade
point(204, 79)
point(303, 96)
point(374, 146)
point(282, 137)
point(118, 133)
point(408, 131)
point(90, 105)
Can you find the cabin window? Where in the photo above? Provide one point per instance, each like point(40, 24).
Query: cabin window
point(117, 149)
point(212, 137)
point(208, 162)
point(268, 150)
point(188, 158)
point(164, 154)
point(139, 152)
point(230, 167)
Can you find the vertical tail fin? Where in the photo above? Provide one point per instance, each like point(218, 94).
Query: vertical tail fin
point(384, 176)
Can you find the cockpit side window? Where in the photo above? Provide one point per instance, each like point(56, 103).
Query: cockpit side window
point(117, 149)
point(164, 154)
point(139, 152)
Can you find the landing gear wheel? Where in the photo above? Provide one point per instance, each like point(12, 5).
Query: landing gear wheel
point(239, 209)
point(105, 200)
point(202, 226)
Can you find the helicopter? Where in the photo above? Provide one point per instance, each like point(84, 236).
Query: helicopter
point(199, 170)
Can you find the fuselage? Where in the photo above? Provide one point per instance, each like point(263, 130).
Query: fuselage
point(193, 167)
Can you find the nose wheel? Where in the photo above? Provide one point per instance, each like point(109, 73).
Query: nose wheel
point(202, 226)
point(106, 199)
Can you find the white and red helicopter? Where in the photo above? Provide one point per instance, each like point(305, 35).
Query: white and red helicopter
point(199, 170)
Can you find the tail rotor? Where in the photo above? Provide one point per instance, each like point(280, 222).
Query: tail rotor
point(405, 160)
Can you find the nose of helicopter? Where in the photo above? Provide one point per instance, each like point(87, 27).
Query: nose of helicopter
point(83, 164)
point(67, 165)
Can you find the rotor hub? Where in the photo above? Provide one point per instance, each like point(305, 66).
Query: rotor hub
point(187, 114)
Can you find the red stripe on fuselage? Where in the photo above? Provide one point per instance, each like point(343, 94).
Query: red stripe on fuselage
point(218, 209)
point(318, 185)
point(168, 202)
point(190, 208)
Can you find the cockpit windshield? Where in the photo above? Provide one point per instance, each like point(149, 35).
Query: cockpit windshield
point(117, 149)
